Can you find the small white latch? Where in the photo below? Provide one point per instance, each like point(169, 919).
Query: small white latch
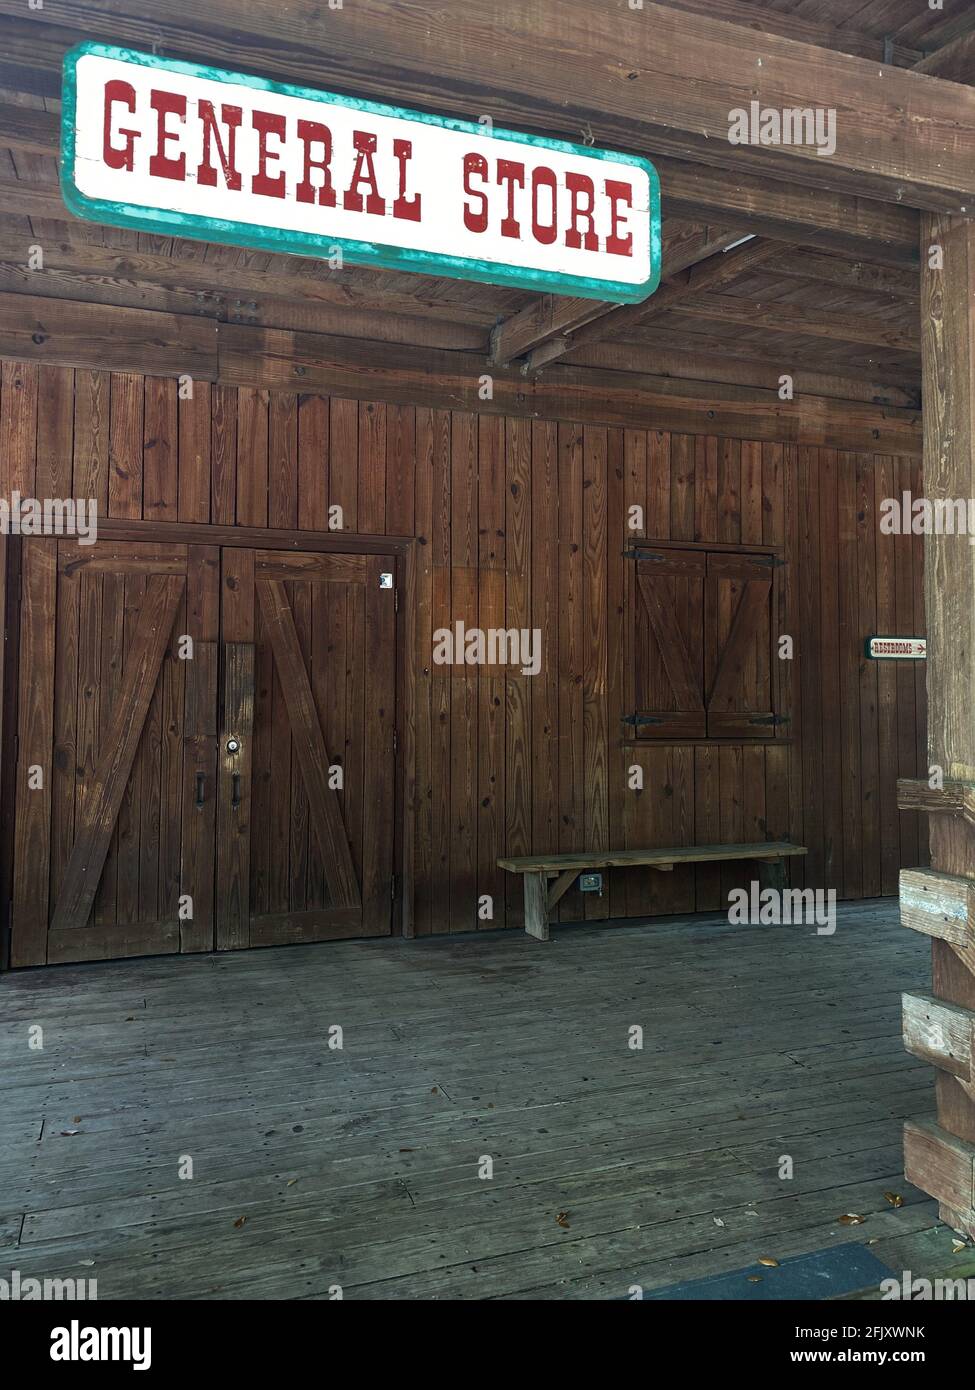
point(385, 580)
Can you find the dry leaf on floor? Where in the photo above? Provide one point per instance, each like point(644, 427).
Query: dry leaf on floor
point(292, 1181)
point(755, 1278)
point(769, 1262)
point(239, 1222)
point(76, 1120)
point(894, 1198)
point(563, 1220)
point(717, 1220)
point(66, 1133)
point(958, 1245)
point(850, 1218)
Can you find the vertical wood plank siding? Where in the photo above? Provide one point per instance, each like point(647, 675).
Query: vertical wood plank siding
point(523, 524)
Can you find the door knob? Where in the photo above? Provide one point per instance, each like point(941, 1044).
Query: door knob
point(233, 745)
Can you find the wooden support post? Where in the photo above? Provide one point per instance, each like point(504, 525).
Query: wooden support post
point(939, 1158)
point(536, 905)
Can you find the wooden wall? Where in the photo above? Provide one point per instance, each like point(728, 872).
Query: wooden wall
point(520, 523)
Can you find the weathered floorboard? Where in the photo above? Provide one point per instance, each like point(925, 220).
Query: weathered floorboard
point(360, 1166)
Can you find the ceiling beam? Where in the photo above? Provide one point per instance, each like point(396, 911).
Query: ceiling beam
point(840, 222)
point(797, 264)
point(220, 291)
point(268, 311)
point(776, 317)
point(119, 339)
point(654, 79)
point(747, 366)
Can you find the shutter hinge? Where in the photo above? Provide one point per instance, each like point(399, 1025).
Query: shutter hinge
point(635, 552)
point(637, 720)
point(770, 719)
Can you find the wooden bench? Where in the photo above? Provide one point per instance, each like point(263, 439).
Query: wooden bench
point(541, 897)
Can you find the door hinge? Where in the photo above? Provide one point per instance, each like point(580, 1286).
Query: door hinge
point(773, 561)
point(769, 719)
point(395, 740)
point(636, 720)
point(396, 600)
point(392, 888)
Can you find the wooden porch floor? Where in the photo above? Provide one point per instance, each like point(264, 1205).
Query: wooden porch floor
point(359, 1167)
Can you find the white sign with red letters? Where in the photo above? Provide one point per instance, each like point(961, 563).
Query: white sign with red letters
point(193, 151)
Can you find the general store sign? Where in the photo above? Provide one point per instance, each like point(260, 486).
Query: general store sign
point(192, 151)
point(897, 648)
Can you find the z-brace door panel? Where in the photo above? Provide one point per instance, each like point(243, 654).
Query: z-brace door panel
point(311, 832)
point(739, 701)
point(668, 666)
point(106, 688)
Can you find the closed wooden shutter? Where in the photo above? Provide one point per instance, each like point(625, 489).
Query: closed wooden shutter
point(739, 647)
point(667, 664)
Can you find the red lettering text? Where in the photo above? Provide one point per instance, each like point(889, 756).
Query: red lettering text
point(267, 123)
point(206, 173)
point(161, 165)
point(115, 156)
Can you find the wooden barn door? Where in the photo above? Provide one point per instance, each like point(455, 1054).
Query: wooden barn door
point(306, 748)
point(115, 728)
point(205, 749)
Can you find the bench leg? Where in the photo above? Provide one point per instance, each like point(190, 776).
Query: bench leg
point(771, 874)
point(536, 906)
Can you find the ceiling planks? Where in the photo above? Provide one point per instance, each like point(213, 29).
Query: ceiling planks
point(837, 258)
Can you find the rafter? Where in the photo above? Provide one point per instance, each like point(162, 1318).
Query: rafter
point(554, 316)
point(793, 26)
point(717, 270)
point(955, 62)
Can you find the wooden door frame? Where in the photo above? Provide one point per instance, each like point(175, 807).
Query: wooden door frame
point(403, 551)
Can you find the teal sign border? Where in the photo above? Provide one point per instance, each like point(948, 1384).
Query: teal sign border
point(355, 252)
